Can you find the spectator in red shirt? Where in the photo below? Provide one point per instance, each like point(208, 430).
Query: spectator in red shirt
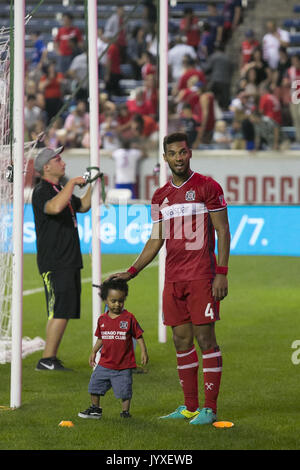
point(190, 27)
point(202, 105)
point(115, 28)
point(269, 104)
point(291, 82)
point(143, 132)
point(190, 70)
point(112, 75)
point(62, 42)
point(148, 64)
point(139, 105)
point(248, 46)
point(151, 94)
point(51, 86)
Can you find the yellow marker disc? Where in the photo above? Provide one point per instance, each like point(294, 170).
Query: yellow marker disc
point(6, 408)
point(223, 424)
point(66, 424)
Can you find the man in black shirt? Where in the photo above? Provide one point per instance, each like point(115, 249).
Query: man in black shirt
point(58, 248)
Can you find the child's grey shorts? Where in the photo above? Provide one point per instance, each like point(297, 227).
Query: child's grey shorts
point(102, 379)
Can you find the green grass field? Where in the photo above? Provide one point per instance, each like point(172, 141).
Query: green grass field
point(260, 383)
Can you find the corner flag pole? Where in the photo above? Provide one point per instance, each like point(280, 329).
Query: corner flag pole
point(95, 156)
point(18, 205)
point(163, 130)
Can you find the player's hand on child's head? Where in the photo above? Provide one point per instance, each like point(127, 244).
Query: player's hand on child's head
point(125, 276)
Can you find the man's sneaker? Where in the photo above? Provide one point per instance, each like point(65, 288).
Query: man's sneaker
point(206, 416)
point(181, 413)
point(93, 412)
point(51, 363)
point(125, 414)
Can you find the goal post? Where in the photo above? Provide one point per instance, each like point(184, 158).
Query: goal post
point(94, 157)
point(163, 130)
point(18, 204)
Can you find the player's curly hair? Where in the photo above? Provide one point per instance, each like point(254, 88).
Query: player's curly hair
point(116, 284)
point(174, 137)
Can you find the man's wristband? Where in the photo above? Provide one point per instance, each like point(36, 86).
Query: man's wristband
point(132, 271)
point(222, 270)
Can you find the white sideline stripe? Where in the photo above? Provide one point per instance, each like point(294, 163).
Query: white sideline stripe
point(213, 369)
point(84, 281)
point(189, 366)
point(216, 354)
point(185, 354)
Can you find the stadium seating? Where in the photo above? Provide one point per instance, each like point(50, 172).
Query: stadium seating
point(47, 20)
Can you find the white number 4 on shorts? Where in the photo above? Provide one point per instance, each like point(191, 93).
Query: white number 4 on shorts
point(209, 312)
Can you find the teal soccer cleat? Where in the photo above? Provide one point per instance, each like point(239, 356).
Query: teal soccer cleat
point(206, 416)
point(181, 413)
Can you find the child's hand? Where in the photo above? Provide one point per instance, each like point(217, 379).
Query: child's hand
point(92, 358)
point(144, 358)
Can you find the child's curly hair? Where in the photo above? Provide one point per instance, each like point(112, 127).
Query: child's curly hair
point(116, 284)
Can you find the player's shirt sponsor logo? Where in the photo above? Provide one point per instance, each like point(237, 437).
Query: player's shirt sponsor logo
point(181, 210)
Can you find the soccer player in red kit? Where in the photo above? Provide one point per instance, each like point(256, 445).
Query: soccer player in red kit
point(186, 212)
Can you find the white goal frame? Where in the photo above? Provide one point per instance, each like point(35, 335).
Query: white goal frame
point(18, 204)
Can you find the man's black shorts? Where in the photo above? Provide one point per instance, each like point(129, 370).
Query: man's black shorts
point(63, 289)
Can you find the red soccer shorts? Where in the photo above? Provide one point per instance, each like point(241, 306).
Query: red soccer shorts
point(189, 302)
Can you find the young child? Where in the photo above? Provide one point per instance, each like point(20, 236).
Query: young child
point(115, 330)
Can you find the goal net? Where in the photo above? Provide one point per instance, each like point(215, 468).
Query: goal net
point(6, 207)
point(6, 199)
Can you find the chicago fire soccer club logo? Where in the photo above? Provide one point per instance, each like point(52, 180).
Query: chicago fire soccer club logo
point(190, 195)
point(123, 325)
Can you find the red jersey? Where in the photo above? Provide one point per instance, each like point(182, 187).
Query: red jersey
point(150, 125)
point(53, 89)
point(270, 106)
point(193, 98)
point(247, 50)
point(189, 233)
point(117, 351)
point(64, 35)
point(113, 54)
point(193, 34)
point(144, 108)
point(182, 84)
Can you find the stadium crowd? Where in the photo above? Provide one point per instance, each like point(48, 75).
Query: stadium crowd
point(216, 102)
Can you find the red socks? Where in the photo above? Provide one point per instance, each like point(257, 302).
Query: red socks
point(212, 371)
point(187, 366)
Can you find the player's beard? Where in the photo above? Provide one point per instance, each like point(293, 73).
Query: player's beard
point(182, 171)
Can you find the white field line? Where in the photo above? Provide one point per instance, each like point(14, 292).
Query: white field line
point(83, 281)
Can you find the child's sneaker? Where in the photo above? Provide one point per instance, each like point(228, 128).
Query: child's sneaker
point(93, 412)
point(206, 416)
point(125, 414)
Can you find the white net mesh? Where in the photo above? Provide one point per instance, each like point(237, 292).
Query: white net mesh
point(6, 200)
point(6, 210)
